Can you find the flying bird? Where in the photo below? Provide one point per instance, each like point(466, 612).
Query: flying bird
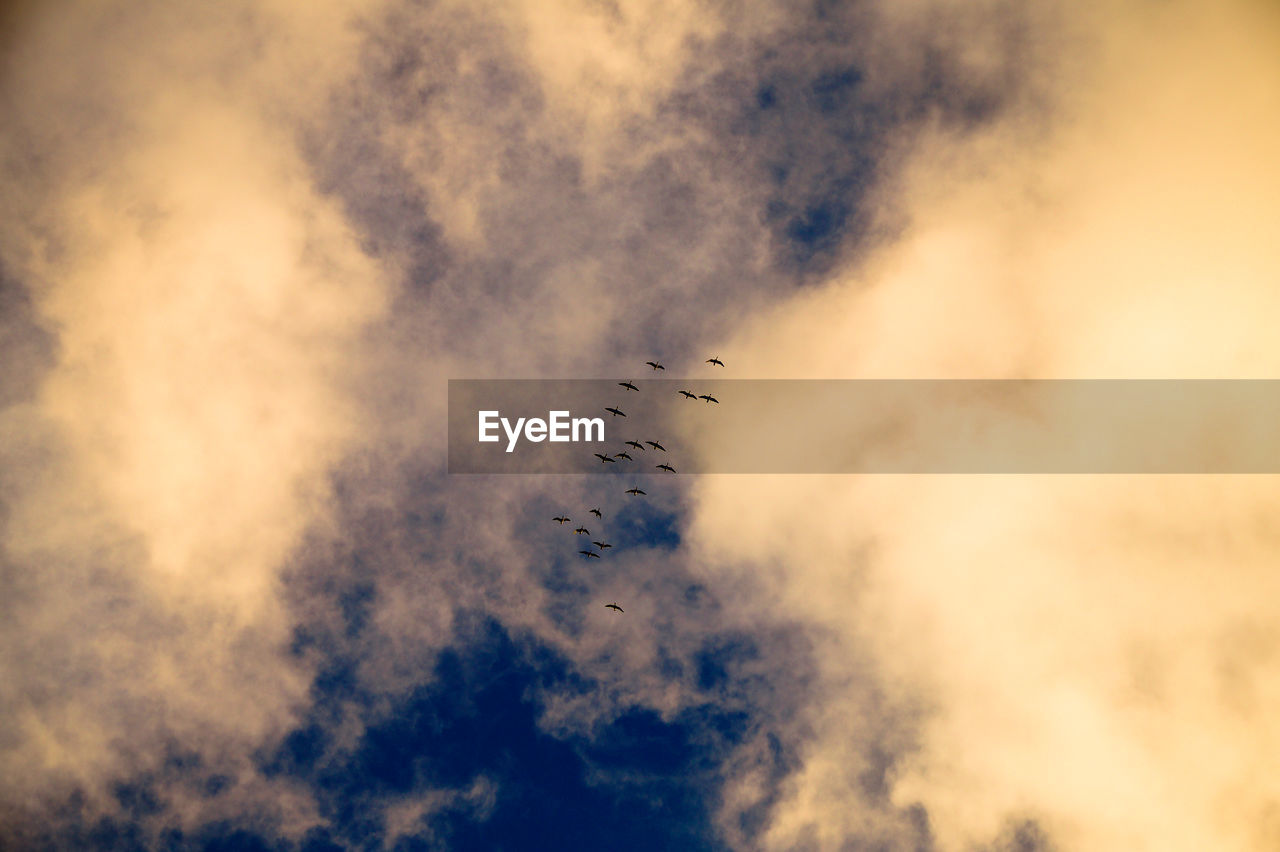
point(715, 361)
point(595, 512)
point(582, 531)
point(639, 446)
point(590, 554)
point(655, 365)
point(665, 467)
point(709, 398)
point(616, 412)
point(561, 520)
point(656, 445)
point(622, 456)
point(614, 606)
point(687, 394)
point(634, 491)
point(602, 544)
point(603, 458)
point(627, 384)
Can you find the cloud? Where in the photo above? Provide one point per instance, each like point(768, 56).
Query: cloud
point(1091, 654)
point(250, 246)
point(203, 301)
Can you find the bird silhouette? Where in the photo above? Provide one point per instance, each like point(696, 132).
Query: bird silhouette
point(602, 544)
point(634, 491)
point(709, 398)
point(582, 531)
point(666, 467)
point(561, 520)
point(627, 384)
point(639, 446)
point(656, 445)
point(590, 554)
point(622, 456)
point(614, 606)
point(716, 361)
point(687, 394)
point(655, 365)
point(595, 512)
point(616, 412)
point(604, 459)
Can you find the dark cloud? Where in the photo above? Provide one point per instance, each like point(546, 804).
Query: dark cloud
point(25, 344)
point(749, 176)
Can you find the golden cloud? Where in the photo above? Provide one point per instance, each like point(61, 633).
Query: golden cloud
point(1093, 653)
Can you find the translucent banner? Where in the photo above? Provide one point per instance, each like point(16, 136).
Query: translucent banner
point(673, 426)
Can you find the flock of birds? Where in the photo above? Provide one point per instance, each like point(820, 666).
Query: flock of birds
point(605, 458)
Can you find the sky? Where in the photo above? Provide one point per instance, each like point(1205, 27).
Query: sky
point(244, 246)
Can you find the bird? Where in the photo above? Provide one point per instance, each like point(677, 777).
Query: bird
point(561, 520)
point(603, 458)
point(602, 544)
point(595, 512)
point(627, 384)
point(665, 467)
point(582, 531)
point(639, 446)
point(622, 456)
point(709, 398)
point(634, 491)
point(716, 361)
point(590, 554)
point(656, 445)
point(614, 606)
point(655, 365)
point(687, 394)
point(616, 412)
